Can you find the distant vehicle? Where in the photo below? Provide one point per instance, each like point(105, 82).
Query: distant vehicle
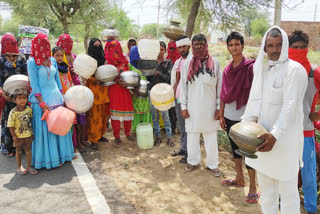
point(25, 35)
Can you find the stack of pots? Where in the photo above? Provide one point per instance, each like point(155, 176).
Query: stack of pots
point(148, 50)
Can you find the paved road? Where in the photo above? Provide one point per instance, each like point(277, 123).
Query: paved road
point(56, 190)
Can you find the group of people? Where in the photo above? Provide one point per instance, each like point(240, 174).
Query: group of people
point(279, 93)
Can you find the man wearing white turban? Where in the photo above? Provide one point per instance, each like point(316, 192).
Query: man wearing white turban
point(276, 102)
point(183, 44)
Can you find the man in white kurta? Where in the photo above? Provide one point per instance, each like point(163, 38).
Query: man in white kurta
point(276, 102)
point(199, 97)
point(183, 44)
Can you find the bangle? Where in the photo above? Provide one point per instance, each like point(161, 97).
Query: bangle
point(42, 104)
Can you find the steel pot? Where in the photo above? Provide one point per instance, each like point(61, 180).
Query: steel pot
point(130, 78)
point(245, 135)
point(147, 67)
point(14, 82)
point(106, 74)
point(173, 31)
point(142, 89)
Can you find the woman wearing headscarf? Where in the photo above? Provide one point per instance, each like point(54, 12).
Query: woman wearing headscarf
point(120, 99)
point(97, 117)
point(10, 64)
point(141, 105)
point(48, 150)
point(173, 52)
point(69, 78)
point(173, 55)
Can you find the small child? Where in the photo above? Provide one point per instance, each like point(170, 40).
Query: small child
point(19, 123)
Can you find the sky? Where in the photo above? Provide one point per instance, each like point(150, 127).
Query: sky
point(148, 13)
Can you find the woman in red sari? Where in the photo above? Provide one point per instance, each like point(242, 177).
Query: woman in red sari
point(121, 107)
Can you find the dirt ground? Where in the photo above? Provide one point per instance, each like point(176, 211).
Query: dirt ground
point(154, 182)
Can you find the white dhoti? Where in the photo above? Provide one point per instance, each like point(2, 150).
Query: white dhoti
point(271, 189)
point(211, 146)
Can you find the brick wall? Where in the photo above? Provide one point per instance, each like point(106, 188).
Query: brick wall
point(311, 28)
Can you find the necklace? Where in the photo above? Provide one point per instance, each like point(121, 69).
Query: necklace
point(48, 71)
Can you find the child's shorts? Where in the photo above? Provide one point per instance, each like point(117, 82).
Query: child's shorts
point(22, 141)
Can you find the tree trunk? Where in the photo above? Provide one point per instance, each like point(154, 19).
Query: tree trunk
point(86, 37)
point(192, 17)
point(64, 22)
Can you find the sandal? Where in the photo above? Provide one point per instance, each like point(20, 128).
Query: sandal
point(103, 139)
point(184, 159)
point(94, 146)
point(215, 172)
point(190, 168)
point(11, 154)
point(75, 157)
point(232, 183)
point(178, 153)
point(130, 138)
point(33, 171)
point(86, 143)
point(170, 142)
point(22, 172)
point(157, 142)
point(118, 141)
point(254, 198)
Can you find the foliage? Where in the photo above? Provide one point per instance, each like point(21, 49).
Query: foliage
point(79, 18)
point(249, 16)
point(216, 13)
point(259, 27)
point(152, 29)
point(120, 20)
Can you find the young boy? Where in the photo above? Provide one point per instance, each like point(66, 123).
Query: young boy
point(19, 123)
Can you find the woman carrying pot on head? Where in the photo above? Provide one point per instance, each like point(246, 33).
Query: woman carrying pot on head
point(48, 150)
point(97, 117)
point(10, 64)
point(121, 107)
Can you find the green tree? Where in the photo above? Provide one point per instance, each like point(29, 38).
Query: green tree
point(152, 29)
point(259, 27)
point(80, 18)
point(212, 13)
point(251, 15)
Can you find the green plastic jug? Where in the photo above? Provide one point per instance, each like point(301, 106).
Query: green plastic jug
point(144, 136)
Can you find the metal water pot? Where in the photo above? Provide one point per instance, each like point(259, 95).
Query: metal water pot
point(245, 135)
point(130, 78)
point(173, 31)
point(142, 89)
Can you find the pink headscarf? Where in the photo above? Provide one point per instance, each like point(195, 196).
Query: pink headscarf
point(198, 56)
point(40, 49)
point(9, 45)
point(66, 43)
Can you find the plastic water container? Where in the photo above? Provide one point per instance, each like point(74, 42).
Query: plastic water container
point(149, 49)
point(59, 120)
point(162, 96)
point(85, 66)
point(144, 136)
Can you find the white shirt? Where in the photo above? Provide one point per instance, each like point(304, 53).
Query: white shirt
point(281, 113)
point(201, 98)
point(232, 113)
